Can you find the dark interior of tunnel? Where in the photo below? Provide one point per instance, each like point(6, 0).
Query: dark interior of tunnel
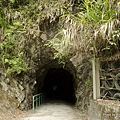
point(59, 85)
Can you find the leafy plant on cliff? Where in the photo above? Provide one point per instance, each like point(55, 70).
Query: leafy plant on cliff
point(21, 23)
point(91, 29)
point(11, 58)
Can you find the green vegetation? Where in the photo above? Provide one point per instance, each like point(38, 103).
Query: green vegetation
point(91, 27)
point(11, 58)
point(94, 29)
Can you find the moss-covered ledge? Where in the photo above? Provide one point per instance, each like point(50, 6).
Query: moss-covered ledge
point(104, 110)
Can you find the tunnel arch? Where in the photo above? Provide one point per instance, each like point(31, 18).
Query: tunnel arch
point(56, 81)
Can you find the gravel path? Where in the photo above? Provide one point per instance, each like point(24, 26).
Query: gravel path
point(56, 110)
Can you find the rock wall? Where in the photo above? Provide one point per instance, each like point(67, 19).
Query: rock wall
point(79, 66)
point(40, 59)
point(12, 93)
point(83, 68)
point(104, 110)
point(20, 90)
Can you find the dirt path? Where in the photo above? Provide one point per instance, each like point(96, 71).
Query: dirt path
point(13, 115)
point(56, 110)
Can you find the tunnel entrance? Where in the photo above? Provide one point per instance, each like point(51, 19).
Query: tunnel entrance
point(58, 84)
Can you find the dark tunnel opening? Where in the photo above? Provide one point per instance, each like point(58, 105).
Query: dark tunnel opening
point(59, 85)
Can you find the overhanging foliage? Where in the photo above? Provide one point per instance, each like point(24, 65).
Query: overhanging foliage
point(90, 27)
point(94, 29)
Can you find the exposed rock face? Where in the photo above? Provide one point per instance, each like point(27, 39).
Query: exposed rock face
point(40, 59)
point(101, 110)
point(12, 93)
point(84, 80)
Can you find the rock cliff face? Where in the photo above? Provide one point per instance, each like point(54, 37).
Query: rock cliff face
point(40, 59)
point(71, 78)
point(12, 93)
point(76, 85)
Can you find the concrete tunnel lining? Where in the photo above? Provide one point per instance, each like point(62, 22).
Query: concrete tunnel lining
point(57, 83)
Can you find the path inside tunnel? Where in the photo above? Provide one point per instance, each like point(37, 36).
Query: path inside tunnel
point(56, 110)
point(59, 85)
